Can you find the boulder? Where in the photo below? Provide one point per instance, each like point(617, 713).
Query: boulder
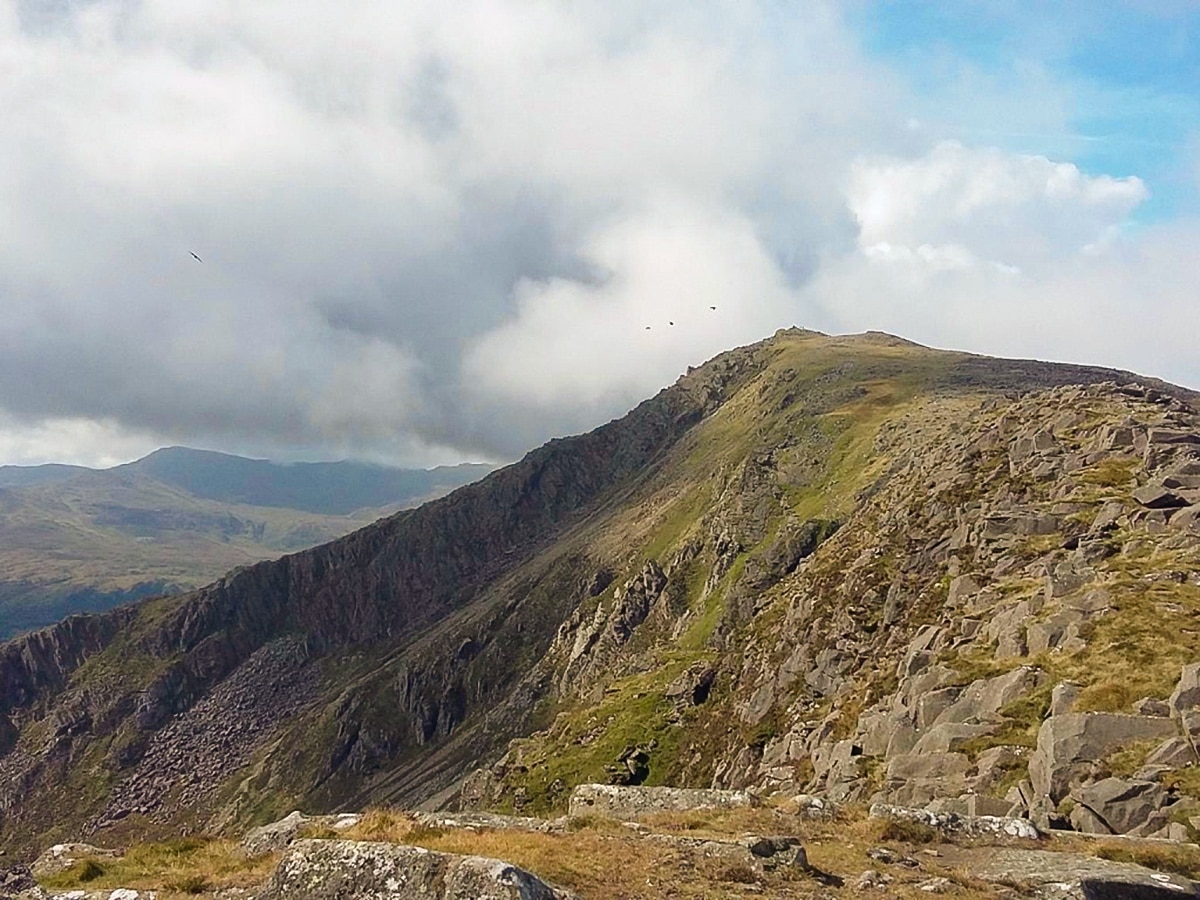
point(1068, 744)
point(949, 737)
point(693, 686)
point(970, 805)
point(1152, 706)
point(275, 836)
point(1187, 520)
point(1187, 692)
point(961, 588)
point(932, 706)
point(994, 763)
point(1060, 631)
point(1107, 517)
point(953, 824)
point(1156, 496)
point(1171, 436)
point(629, 802)
point(875, 730)
point(18, 882)
point(355, 870)
point(1174, 753)
point(914, 779)
point(1063, 697)
point(985, 697)
point(1118, 804)
point(1072, 875)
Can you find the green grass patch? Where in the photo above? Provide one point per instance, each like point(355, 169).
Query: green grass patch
point(584, 741)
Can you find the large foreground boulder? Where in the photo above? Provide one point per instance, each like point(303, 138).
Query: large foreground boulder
point(359, 870)
point(277, 835)
point(1070, 876)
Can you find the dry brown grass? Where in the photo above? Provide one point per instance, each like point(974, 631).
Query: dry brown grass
point(1177, 858)
point(176, 869)
point(595, 858)
point(598, 858)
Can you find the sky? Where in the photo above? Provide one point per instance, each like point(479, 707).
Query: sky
point(429, 232)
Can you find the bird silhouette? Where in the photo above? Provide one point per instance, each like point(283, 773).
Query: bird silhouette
point(195, 257)
point(670, 323)
point(712, 307)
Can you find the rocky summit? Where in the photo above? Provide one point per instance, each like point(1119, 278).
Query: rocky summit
point(850, 571)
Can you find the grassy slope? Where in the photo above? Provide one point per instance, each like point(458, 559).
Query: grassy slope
point(816, 410)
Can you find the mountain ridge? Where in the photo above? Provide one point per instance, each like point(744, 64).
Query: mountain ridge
point(563, 601)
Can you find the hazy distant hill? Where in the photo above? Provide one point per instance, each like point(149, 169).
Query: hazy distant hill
point(335, 488)
point(22, 476)
point(74, 539)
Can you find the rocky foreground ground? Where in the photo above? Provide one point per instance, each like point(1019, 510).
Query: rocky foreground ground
point(626, 842)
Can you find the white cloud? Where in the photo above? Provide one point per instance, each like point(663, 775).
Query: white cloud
point(582, 351)
point(81, 442)
point(1013, 255)
point(435, 230)
point(963, 203)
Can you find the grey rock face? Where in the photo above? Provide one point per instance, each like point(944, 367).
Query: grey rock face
point(1067, 744)
point(1119, 805)
point(352, 870)
point(1187, 692)
point(1070, 876)
point(626, 802)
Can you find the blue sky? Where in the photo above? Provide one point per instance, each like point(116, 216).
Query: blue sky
point(1125, 78)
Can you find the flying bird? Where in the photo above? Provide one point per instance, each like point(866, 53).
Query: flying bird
point(198, 259)
point(670, 323)
point(647, 327)
point(712, 307)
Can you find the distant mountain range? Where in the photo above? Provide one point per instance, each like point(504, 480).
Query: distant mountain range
point(74, 539)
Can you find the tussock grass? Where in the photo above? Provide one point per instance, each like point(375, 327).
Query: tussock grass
point(179, 868)
point(1177, 858)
